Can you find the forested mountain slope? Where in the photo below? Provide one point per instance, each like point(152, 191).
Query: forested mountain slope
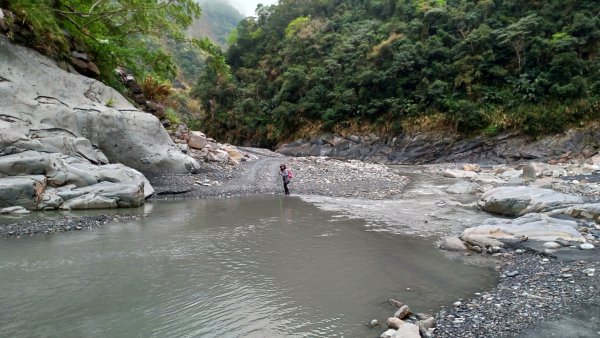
point(217, 21)
point(392, 66)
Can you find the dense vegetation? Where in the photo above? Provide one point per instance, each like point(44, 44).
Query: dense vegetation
point(304, 66)
point(117, 33)
point(218, 20)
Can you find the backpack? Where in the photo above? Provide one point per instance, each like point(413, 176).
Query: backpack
point(290, 174)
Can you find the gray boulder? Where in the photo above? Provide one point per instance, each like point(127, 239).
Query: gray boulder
point(532, 226)
point(408, 330)
point(589, 211)
point(41, 181)
point(25, 191)
point(106, 195)
point(463, 187)
point(56, 111)
point(14, 211)
point(533, 170)
point(452, 243)
point(457, 173)
point(517, 201)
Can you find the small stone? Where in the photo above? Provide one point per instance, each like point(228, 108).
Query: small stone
point(511, 273)
point(519, 251)
point(396, 303)
point(458, 320)
point(374, 323)
point(388, 334)
point(589, 272)
point(552, 245)
point(422, 316)
point(394, 323)
point(586, 246)
point(402, 312)
point(457, 304)
point(427, 323)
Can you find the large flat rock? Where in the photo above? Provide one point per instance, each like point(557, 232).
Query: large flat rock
point(521, 200)
point(533, 226)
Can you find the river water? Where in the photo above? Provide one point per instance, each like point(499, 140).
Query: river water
point(242, 267)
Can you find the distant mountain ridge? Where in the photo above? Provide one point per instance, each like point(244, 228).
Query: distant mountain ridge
point(217, 21)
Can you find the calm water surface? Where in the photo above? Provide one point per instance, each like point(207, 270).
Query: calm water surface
point(247, 267)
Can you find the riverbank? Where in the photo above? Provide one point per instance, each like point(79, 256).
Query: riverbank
point(314, 176)
point(538, 288)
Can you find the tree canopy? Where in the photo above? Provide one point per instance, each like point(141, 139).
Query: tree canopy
point(306, 66)
point(127, 33)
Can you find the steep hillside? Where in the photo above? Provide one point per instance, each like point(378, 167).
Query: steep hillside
point(217, 21)
point(389, 66)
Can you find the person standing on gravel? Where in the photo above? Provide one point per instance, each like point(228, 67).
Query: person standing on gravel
point(285, 175)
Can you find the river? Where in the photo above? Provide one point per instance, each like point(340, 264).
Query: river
point(240, 267)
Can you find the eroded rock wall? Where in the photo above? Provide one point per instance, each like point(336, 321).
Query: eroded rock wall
point(70, 142)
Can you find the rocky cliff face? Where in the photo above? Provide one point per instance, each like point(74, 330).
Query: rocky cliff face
point(576, 144)
point(40, 103)
point(60, 131)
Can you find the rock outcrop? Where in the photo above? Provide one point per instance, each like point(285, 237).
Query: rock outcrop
point(435, 148)
point(70, 142)
point(44, 108)
point(517, 201)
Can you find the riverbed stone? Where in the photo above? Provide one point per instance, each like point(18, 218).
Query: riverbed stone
point(394, 322)
point(552, 245)
point(471, 167)
point(126, 195)
point(196, 140)
point(589, 211)
point(452, 243)
point(234, 154)
point(587, 246)
point(408, 330)
point(427, 323)
point(22, 191)
point(463, 187)
point(457, 173)
point(16, 210)
point(533, 170)
point(388, 334)
point(532, 226)
point(518, 201)
point(218, 155)
point(402, 312)
point(511, 174)
point(49, 200)
point(396, 303)
point(90, 201)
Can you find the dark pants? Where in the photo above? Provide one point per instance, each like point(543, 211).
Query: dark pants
point(287, 191)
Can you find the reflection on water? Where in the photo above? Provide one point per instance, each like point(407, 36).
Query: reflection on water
point(248, 267)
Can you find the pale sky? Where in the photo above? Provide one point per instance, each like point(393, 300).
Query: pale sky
point(247, 7)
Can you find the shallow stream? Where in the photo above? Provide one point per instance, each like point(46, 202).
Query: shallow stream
point(242, 267)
